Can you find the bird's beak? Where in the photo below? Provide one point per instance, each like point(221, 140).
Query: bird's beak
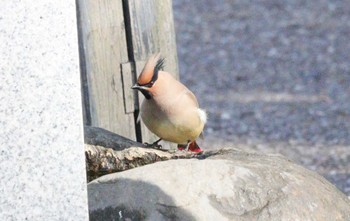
point(143, 90)
point(138, 87)
point(135, 87)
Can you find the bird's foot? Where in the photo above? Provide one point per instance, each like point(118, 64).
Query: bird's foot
point(154, 144)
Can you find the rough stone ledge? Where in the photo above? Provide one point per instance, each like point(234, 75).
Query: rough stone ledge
point(229, 185)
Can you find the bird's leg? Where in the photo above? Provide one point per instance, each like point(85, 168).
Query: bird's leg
point(188, 145)
point(154, 144)
point(184, 146)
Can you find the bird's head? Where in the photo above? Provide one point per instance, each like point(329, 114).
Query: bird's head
point(149, 75)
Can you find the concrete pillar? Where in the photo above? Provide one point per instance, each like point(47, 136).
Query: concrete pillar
point(42, 164)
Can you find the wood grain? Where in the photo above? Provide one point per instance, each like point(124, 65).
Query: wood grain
point(104, 49)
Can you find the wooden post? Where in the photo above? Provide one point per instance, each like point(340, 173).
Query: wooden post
point(104, 50)
point(116, 38)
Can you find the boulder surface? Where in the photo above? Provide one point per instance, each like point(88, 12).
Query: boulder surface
point(233, 185)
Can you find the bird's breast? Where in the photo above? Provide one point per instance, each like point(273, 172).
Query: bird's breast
point(171, 121)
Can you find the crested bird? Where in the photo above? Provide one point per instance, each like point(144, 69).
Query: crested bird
point(170, 110)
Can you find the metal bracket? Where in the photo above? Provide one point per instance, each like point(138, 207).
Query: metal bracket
point(127, 81)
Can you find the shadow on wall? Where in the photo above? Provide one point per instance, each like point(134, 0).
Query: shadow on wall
point(104, 202)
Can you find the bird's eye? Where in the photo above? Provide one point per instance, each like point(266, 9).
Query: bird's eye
point(150, 84)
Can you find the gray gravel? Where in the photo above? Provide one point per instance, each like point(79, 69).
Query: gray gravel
point(273, 75)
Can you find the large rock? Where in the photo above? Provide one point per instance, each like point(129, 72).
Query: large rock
point(234, 185)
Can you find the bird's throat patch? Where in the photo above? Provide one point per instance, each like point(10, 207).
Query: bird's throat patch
point(146, 93)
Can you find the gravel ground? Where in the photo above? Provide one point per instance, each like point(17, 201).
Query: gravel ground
point(274, 76)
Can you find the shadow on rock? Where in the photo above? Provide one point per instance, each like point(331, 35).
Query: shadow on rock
point(132, 200)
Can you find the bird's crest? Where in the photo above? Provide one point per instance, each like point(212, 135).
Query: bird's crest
point(149, 74)
point(159, 65)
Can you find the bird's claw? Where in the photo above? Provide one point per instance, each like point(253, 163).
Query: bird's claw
point(153, 145)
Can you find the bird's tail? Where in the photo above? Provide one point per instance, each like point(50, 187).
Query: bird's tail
point(192, 146)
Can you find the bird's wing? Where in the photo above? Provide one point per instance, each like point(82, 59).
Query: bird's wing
point(191, 97)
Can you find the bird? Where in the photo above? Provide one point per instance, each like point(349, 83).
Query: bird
point(170, 110)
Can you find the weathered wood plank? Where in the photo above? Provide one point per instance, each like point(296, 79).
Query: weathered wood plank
point(104, 43)
point(101, 160)
point(167, 36)
point(152, 28)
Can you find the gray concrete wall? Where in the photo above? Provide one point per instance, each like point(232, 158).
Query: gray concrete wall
point(41, 137)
